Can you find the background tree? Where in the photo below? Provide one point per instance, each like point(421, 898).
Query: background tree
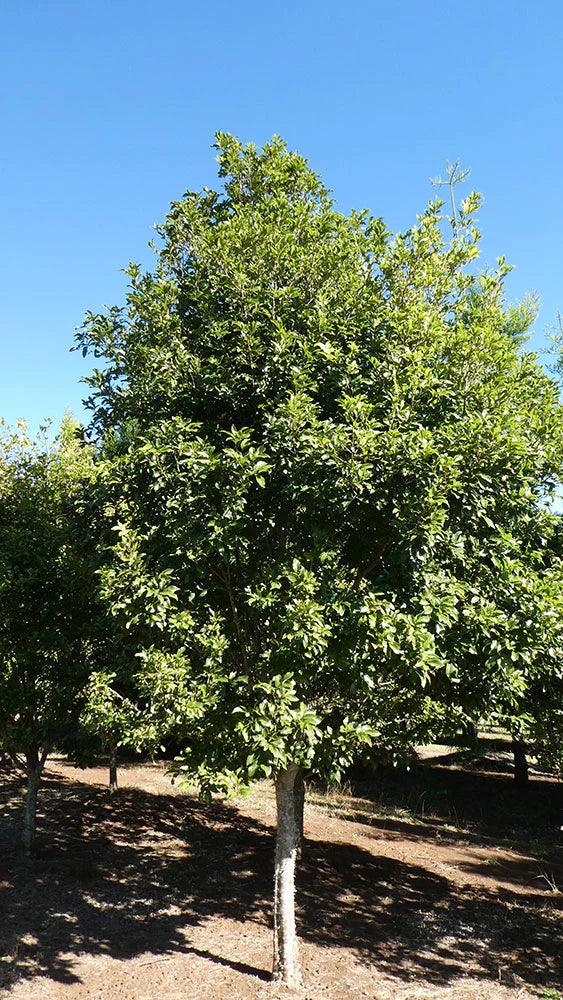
point(46, 596)
point(519, 600)
point(316, 436)
point(109, 717)
point(535, 643)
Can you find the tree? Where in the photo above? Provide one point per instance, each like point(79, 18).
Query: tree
point(535, 606)
point(310, 430)
point(46, 596)
point(521, 593)
point(522, 582)
point(109, 717)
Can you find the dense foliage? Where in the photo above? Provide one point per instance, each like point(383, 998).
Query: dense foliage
point(330, 459)
point(47, 594)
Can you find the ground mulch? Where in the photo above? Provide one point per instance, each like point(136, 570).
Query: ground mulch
point(151, 895)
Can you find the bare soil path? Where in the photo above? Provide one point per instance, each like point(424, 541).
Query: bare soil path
point(150, 895)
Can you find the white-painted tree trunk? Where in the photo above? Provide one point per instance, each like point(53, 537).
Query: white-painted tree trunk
point(35, 766)
point(286, 956)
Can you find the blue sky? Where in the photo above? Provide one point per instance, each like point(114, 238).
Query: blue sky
point(109, 109)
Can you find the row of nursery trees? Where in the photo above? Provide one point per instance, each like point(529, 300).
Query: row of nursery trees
point(312, 516)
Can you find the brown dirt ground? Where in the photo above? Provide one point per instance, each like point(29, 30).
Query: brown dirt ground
point(150, 895)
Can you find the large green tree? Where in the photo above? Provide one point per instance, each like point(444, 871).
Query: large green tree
point(317, 438)
point(47, 596)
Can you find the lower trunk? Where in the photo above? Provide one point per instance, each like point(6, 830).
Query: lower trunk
point(35, 766)
point(286, 958)
point(520, 762)
point(113, 769)
point(472, 732)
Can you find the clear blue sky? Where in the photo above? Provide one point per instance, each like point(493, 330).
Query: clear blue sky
point(109, 109)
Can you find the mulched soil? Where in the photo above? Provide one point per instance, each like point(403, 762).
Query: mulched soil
point(150, 895)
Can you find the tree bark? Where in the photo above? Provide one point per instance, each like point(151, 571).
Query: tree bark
point(35, 765)
point(113, 769)
point(286, 967)
point(472, 732)
point(520, 762)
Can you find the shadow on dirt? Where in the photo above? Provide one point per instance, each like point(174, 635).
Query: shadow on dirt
point(132, 874)
point(482, 806)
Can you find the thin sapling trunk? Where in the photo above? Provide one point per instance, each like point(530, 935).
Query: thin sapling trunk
point(113, 769)
point(286, 958)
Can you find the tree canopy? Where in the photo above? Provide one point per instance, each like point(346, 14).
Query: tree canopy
point(47, 590)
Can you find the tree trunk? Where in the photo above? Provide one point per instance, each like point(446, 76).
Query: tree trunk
point(35, 766)
point(520, 762)
point(113, 769)
point(472, 732)
point(286, 958)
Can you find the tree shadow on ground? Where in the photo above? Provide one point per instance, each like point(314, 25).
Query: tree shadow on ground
point(135, 873)
point(483, 807)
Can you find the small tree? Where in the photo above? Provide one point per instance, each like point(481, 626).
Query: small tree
point(310, 429)
point(110, 718)
point(46, 597)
